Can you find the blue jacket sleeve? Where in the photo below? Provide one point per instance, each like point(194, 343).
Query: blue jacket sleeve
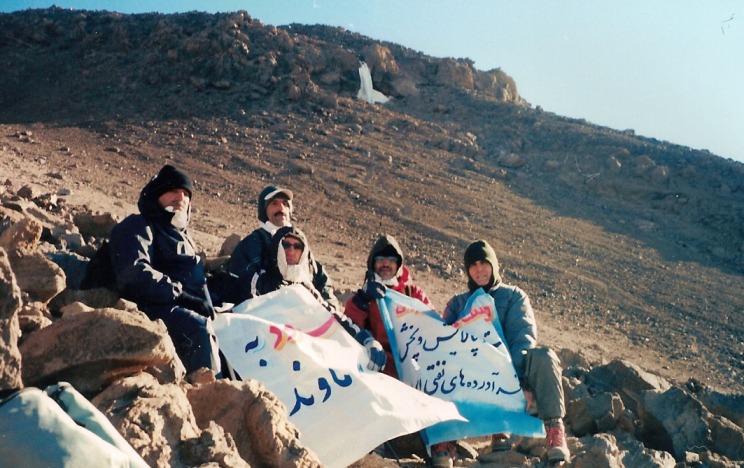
point(248, 253)
point(132, 246)
point(518, 322)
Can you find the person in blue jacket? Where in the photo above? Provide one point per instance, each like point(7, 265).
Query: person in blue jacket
point(156, 265)
point(538, 367)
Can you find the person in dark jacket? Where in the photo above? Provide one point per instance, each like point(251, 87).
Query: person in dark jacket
point(252, 254)
point(156, 265)
point(274, 212)
point(385, 270)
point(289, 263)
point(538, 368)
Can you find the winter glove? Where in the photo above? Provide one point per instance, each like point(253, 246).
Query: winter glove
point(196, 304)
point(371, 289)
point(377, 356)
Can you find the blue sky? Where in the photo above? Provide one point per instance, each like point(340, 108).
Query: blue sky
point(671, 70)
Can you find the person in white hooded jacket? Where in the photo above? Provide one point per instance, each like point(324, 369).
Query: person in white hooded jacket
point(290, 263)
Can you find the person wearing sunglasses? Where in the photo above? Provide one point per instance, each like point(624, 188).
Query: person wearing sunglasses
point(290, 262)
point(384, 270)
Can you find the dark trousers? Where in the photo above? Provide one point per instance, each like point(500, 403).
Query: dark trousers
point(193, 337)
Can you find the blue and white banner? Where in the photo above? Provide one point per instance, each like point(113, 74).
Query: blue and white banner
point(300, 352)
point(466, 363)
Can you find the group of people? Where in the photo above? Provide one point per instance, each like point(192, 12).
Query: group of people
point(156, 265)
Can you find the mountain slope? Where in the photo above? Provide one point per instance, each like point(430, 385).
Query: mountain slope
point(628, 246)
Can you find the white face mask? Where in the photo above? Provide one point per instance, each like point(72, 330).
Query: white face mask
point(180, 218)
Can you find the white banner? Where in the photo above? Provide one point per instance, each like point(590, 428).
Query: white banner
point(467, 363)
point(300, 352)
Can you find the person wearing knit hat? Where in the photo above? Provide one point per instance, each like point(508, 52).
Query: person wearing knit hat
point(274, 211)
point(385, 270)
point(155, 264)
point(538, 368)
point(252, 254)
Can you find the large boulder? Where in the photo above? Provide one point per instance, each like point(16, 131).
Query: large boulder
point(92, 349)
point(626, 379)
point(21, 237)
point(38, 276)
point(10, 332)
point(159, 424)
point(675, 421)
point(255, 418)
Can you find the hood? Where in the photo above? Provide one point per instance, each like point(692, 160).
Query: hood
point(481, 250)
point(168, 178)
point(293, 273)
point(385, 245)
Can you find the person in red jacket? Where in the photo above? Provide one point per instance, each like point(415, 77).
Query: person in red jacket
point(384, 270)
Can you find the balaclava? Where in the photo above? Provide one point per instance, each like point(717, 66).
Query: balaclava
point(299, 273)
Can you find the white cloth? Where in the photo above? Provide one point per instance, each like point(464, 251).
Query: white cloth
point(299, 351)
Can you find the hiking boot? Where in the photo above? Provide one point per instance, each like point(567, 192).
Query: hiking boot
point(555, 440)
point(443, 455)
point(500, 442)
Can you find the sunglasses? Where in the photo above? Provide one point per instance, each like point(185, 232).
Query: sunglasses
point(295, 245)
point(382, 258)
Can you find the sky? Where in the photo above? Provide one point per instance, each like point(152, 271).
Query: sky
point(669, 69)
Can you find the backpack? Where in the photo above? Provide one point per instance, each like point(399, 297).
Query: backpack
point(99, 273)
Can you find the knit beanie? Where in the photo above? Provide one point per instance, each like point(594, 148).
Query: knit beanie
point(267, 194)
point(481, 250)
point(169, 178)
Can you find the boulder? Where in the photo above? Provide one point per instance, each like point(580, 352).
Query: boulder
point(598, 451)
point(92, 349)
point(33, 316)
point(10, 332)
point(95, 224)
point(255, 418)
point(38, 276)
point(159, 424)
point(229, 245)
point(675, 421)
point(98, 298)
point(21, 238)
point(597, 413)
point(626, 379)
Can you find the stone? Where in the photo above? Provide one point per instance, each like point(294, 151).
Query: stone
point(626, 379)
point(38, 276)
point(213, 446)
point(229, 245)
point(98, 298)
point(90, 350)
point(21, 238)
point(673, 421)
point(95, 224)
point(154, 418)
point(10, 332)
point(255, 418)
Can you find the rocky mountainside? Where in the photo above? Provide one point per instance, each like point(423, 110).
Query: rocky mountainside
point(629, 246)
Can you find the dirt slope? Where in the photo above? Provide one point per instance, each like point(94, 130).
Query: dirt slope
point(629, 247)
